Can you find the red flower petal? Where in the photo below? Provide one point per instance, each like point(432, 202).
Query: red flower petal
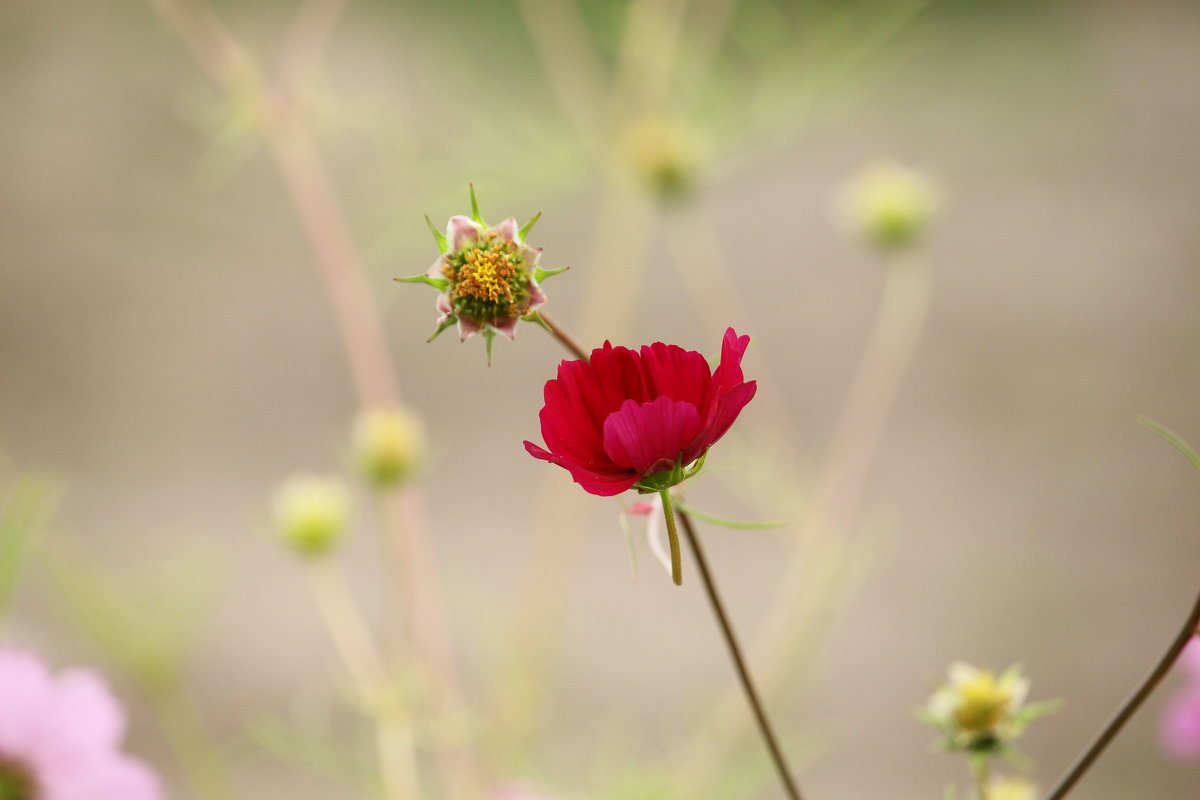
point(650, 437)
point(676, 373)
point(605, 483)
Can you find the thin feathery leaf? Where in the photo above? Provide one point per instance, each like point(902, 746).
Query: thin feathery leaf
point(1171, 438)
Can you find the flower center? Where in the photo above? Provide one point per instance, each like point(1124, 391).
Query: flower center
point(16, 783)
point(982, 704)
point(488, 279)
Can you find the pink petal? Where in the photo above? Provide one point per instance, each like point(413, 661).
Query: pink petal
point(650, 437)
point(507, 230)
point(536, 296)
point(1189, 659)
point(1179, 730)
point(530, 255)
point(462, 230)
point(435, 270)
point(114, 777)
point(507, 326)
point(25, 689)
point(83, 714)
point(729, 371)
point(467, 328)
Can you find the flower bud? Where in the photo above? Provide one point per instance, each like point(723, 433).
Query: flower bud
point(981, 712)
point(311, 513)
point(889, 205)
point(1012, 789)
point(665, 155)
point(388, 445)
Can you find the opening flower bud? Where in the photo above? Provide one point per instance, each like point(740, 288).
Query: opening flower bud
point(388, 445)
point(311, 513)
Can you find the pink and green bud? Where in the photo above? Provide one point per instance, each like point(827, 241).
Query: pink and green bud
point(487, 276)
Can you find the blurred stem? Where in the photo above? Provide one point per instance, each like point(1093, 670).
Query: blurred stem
point(376, 691)
point(1129, 707)
point(568, 55)
point(834, 506)
point(189, 740)
point(735, 653)
point(285, 130)
point(981, 773)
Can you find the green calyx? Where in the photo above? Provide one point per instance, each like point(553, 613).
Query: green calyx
point(659, 481)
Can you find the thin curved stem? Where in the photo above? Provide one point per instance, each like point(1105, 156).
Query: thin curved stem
point(739, 662)
point(1129, 707)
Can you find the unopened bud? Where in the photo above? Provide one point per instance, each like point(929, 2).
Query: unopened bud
point(388, 445)
point(311, 513)
point(889, 205)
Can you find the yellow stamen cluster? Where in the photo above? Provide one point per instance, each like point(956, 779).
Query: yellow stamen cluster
point(982, 702)
point(485, 274)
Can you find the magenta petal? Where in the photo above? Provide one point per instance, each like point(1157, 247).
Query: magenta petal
point(676, 373)
point(605, 482)
point(729, 371)
point(650, 437)
point(462, 230)
point(729, 405)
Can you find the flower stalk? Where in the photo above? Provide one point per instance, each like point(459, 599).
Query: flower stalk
point(739, 661)
point(1129, 707)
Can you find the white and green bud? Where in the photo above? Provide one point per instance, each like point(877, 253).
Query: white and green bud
point(388, 445)
point(311, 513)
point(665, 155)
point(889, 205)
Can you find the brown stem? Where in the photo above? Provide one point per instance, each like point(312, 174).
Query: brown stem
point(565, 339)
point(735, 652)
point(1129, 707)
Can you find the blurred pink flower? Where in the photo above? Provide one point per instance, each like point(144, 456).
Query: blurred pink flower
point(59, 737)
point(512, 791)
point(1179, 728)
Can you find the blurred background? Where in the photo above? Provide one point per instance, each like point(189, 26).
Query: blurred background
point(169, 356)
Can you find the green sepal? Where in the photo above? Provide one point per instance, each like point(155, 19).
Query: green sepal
point(528, 226)
point(1171, 438)
point(540, 274)
point(445, 324)
point(442, 242)
point(653, 484)
point(475, 207)
point(441, 284)
point(489, 336)
point(728, 523)
point(534, 316)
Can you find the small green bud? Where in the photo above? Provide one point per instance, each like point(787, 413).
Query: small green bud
point(311, 513)
point(665, 155)
point(889, 205)
point(388, 445)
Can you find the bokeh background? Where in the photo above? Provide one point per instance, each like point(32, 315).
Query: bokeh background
point(167, 352)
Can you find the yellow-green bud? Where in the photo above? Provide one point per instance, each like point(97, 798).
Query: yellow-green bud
point(311, 513)
point(665, 155)
point(890, 205)
point(1012, 789)
point(388, 445)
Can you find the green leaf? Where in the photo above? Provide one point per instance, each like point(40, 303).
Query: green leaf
point(1170, 438)
point(437, 283)
point(438, 236)
point(728, 523)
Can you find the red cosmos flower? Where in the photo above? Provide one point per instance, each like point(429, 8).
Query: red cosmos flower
point(629, 419)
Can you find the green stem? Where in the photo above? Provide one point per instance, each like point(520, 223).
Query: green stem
point(1129, 707)
point(739, 662)
point(672, 537)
